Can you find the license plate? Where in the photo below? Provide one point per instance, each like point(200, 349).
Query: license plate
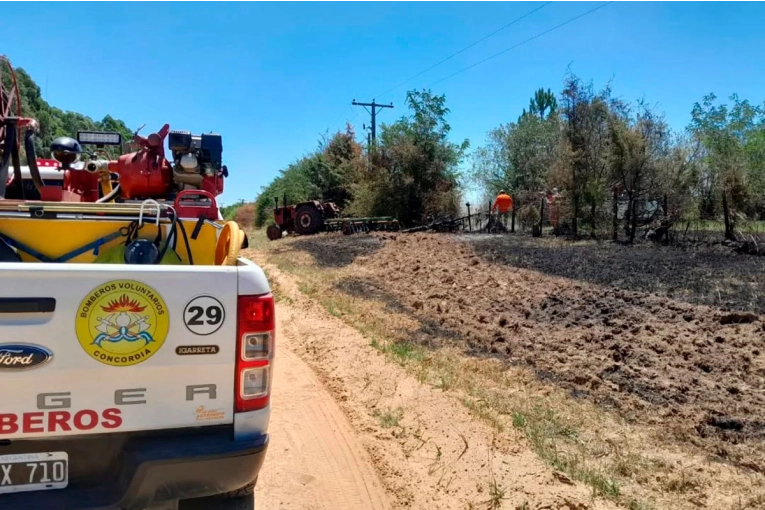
point(33, 471)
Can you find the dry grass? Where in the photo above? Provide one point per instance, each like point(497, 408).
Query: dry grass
point(628, 464)
point(245, 215)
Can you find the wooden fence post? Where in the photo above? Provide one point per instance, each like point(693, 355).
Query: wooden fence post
point(615, 219)
point(541, 214)
point(512, 219)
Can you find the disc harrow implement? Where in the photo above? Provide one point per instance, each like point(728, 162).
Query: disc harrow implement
point(313, 216)
point(351, 226)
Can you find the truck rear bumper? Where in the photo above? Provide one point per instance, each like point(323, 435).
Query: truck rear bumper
point(156, 470)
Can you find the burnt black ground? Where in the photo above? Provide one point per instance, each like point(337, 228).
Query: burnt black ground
point(663, 336)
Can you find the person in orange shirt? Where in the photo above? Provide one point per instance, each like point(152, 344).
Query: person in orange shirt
point(503, 204)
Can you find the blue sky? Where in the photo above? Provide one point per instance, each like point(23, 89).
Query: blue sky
point(272, 77)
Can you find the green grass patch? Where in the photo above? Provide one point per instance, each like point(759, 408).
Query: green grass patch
point(389, 418)
point(401, 352)
point(639, 505)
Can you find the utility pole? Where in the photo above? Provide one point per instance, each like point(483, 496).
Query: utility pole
point(373, 112)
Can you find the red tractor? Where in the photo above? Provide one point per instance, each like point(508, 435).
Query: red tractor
point(305, 218)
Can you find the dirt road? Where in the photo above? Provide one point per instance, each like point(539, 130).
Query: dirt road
point(315, 460)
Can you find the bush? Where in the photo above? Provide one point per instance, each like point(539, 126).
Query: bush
point(529, 216)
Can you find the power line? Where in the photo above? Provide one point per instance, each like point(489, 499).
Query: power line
point(503, 51)
point(467, 48)
point(521, 43)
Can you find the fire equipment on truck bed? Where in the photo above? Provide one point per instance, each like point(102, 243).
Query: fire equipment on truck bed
point(195, 167)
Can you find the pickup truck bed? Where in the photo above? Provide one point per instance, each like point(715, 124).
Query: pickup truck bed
point(132, 386)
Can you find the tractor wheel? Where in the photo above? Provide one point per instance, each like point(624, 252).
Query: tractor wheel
point(308, 220)
point(274, 232)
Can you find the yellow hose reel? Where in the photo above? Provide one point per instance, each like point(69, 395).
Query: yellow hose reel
point(229, 244)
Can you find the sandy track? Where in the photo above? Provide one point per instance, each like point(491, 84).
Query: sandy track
point(314, 461)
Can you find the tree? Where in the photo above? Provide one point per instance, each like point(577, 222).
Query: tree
point(518, 155)
point(293, 181)
point(584, 166)
point(679, 171)
point(327, 173)
point(414, 172)
point(639, 144)
point(543, 104)
point(754, 153)
point(342, 162)
point(723, 133)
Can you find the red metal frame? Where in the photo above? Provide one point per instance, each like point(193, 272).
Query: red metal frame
point(192, 203)
point(10, 97)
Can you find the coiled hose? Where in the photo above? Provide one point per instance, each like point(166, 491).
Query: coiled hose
point(229, 244)
point(29, 147)
point(109, 196)
point(8, 146)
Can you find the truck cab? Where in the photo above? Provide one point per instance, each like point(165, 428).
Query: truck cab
point(133, 387)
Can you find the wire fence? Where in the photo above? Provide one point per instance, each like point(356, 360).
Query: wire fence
point(656, 219)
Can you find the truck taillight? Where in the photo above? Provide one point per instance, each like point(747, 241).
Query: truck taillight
point(255, 351)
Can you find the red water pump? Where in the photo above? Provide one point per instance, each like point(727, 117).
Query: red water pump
point(196, 165)
point(146, 173)
point(196, 169)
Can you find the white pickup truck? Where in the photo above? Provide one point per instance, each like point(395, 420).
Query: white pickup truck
point(133, 386)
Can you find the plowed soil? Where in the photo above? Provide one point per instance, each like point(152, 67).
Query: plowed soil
point(662, 336)
point(350, 431)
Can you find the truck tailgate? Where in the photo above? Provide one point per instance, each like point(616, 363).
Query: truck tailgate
point(89, 349)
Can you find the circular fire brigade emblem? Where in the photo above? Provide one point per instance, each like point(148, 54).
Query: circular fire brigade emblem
point(122, 322)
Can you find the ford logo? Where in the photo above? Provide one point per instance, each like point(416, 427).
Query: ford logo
point(23, 356)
